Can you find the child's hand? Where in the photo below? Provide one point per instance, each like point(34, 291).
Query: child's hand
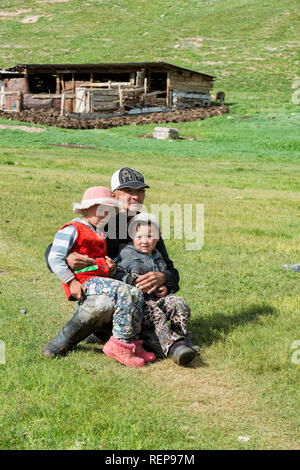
point(163, 291)
point(76, 288)
point(111, 264)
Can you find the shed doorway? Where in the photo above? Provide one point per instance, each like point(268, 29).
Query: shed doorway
point(158, 82)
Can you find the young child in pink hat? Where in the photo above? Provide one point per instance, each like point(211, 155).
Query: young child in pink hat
point(84, 235)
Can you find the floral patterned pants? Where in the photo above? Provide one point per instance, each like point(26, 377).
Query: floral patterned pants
point(128, 300)
point(158, 312)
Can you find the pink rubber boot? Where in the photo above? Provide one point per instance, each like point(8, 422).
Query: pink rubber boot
point(140, 352)
point(122, 352)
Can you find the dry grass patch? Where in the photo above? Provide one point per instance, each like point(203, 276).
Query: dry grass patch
point(22, 128)
point(11, 14)
point(233, 405)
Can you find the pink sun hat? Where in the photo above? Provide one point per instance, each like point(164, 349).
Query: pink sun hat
point(96, 195)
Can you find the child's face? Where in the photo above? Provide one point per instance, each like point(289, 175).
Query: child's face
point(145, 239)
point(96, 215)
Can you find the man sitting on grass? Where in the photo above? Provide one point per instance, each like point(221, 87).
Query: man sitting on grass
point(128, 187)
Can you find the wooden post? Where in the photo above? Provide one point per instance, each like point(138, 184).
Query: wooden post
point(121, 97)
point(2, 97)
point(132, 78)
point(58, 84)
point(168, 90)
point(109, 84)
point(62, 104)
point(91, 77)
point(145, 91)
point(92, 105)
point(26, 90)
point(19, 104)
point(139, 81)
point(73, 83)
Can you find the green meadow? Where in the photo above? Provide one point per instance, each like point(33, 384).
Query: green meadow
point(244, 167)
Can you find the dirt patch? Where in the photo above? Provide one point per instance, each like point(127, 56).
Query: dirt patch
point(7, 14)
point(53, 118)
point(77, 146)
point(53, 1)
point(22, 128)
point(212, 62)
point(30, 19)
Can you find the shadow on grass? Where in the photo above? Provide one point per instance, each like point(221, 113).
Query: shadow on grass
point(207, 331)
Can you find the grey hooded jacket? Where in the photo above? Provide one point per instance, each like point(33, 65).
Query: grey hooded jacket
point(132, 263)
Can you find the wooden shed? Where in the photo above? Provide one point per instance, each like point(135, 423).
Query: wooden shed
point(103, 88)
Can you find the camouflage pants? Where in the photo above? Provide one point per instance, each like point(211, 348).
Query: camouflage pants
point(128, 302)
point(158, 312)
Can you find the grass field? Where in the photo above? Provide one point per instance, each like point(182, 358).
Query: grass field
point(243, 167)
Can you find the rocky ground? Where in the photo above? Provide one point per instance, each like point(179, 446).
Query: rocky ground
point(53, 118)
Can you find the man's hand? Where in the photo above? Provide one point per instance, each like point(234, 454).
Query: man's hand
point(111, 264)
point(76, 288)
point(163, 291)
point(150, 281)
point(77, 261)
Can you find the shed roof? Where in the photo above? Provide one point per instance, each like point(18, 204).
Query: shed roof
point(97, 67)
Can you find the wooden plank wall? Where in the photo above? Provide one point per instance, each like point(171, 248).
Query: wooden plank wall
point(104, 100)
point(189, 81)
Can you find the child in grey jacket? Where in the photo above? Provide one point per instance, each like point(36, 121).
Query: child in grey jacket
point(140, 257)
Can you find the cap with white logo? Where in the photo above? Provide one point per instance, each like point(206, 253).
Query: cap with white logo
point(127, 178)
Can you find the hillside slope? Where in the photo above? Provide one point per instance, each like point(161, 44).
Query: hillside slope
point(252, 46)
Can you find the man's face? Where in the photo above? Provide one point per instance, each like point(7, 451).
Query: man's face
point(130, 198)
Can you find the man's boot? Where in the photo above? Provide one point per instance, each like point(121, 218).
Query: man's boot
point(151, 342)
point(70, 335)
point(95, 339)
point(182, 353)
point(91, 313)
point(100, 336)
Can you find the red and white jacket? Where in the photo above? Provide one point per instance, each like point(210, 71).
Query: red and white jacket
point(89, 243)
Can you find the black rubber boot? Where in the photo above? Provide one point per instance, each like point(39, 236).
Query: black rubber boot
point(182, 353)
point(93, 314)
point(101, 336)
point(94, 339)
point(71, 334)
point(151, 342)
point(97, 338)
